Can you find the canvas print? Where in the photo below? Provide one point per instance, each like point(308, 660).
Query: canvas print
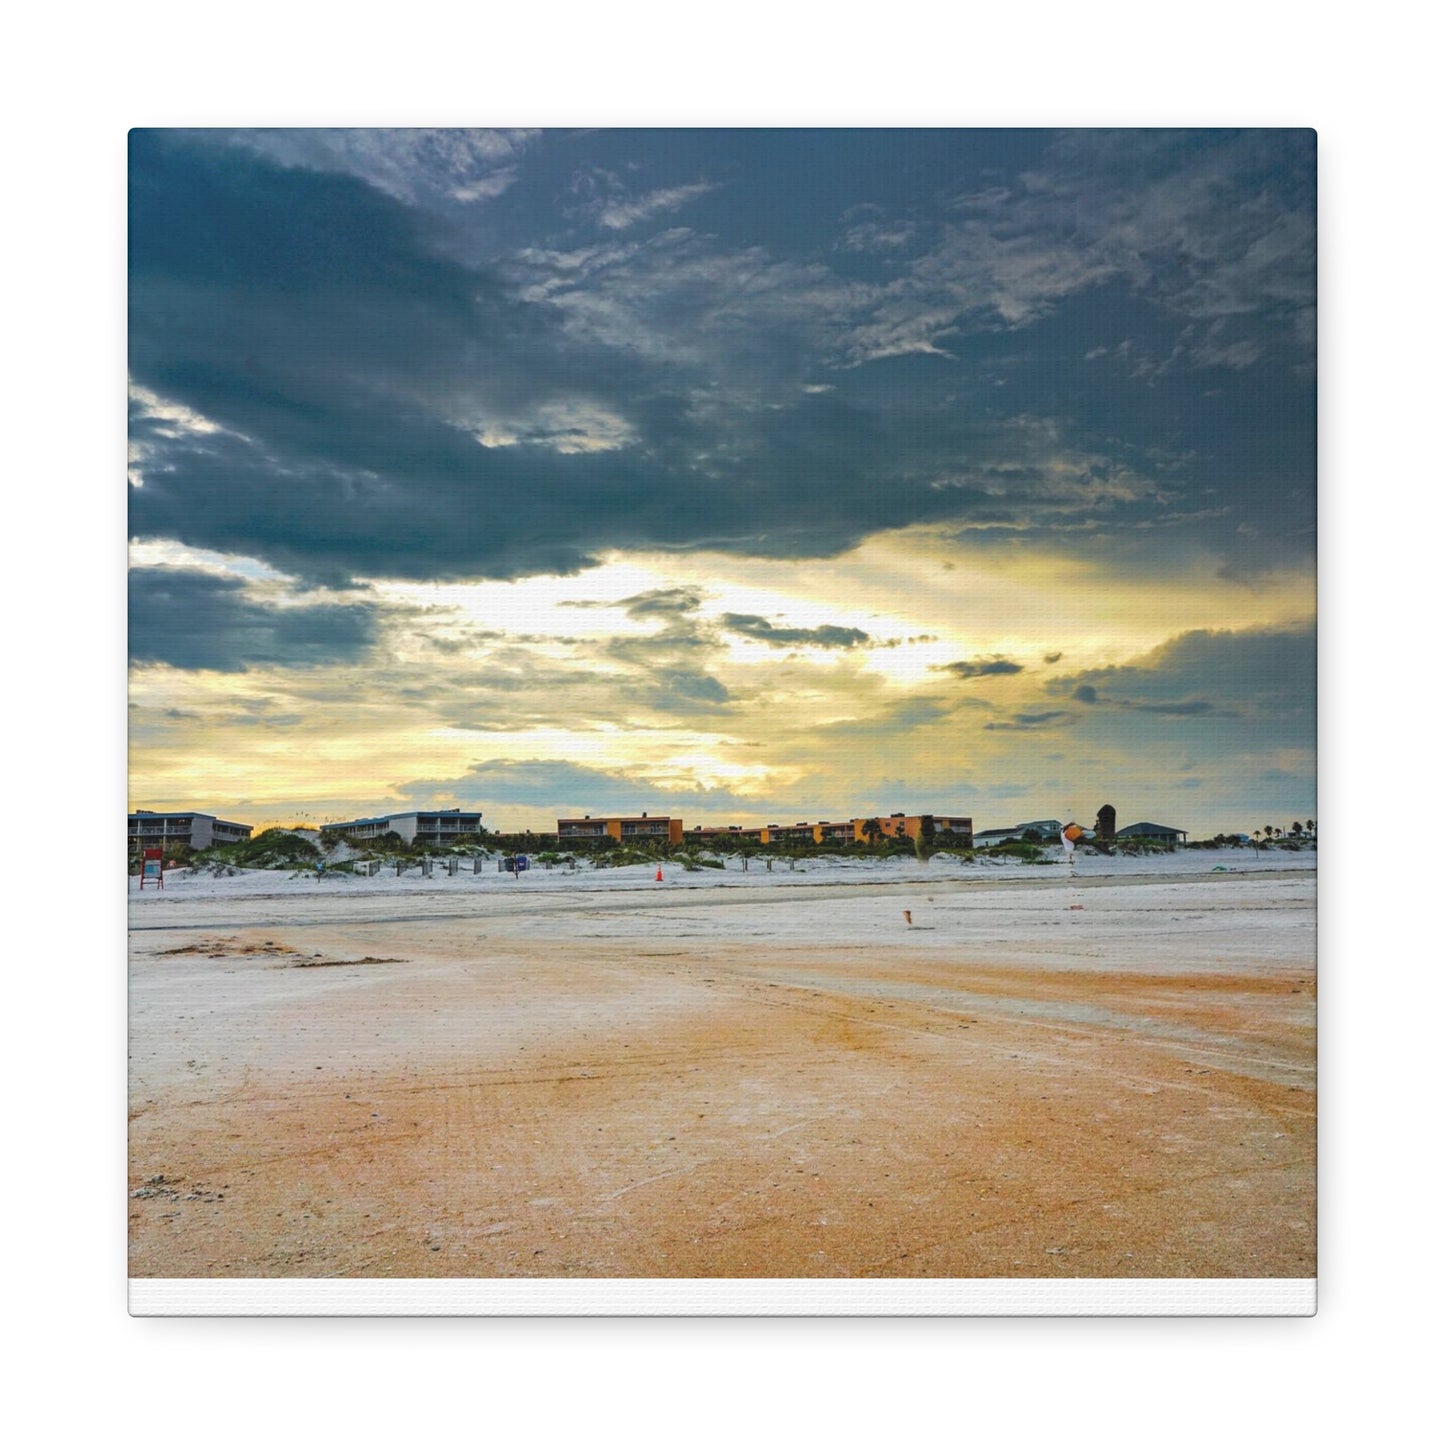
point(722, 707)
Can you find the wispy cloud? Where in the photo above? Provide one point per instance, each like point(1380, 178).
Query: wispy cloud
point(414, 164)
point(618, 213)
point(761, 630)
point(1196, 222)
point(878, 234)
point(1028, 722)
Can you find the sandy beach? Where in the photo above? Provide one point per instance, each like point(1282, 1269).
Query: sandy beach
point(729, 1074)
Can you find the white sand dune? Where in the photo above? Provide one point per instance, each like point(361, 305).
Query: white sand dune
point(341, 880)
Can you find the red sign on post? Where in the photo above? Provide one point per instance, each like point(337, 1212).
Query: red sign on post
point(151, 868)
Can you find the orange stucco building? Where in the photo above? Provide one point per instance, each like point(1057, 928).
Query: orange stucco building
point(645, 829)
point(910, 825)
point(641, 829)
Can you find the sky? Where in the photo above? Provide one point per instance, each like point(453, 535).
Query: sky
point(753, 476)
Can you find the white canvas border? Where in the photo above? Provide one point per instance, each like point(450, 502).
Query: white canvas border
point(723, 1297)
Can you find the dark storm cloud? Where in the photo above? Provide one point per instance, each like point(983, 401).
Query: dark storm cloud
point(674, 606)
point(1263, 674)
point(349, 370)
point(663, 602)
point(685, 690)
point(678, 646)
point(1192, 707)
point(981, 667)
point(747, 625)
point(347, 379)
point(199, 621)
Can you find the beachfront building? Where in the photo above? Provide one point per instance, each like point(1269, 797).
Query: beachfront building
point(911, 825)
point(1151, 833)
point(145, 829)
point(640, 829)
point(733, 833)
point(1048, 830)
point(953, 829)
point(872, 830)
point(436, 827)
point(943, 828)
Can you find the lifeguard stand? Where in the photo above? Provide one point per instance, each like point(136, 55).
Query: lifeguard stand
point(152, 869)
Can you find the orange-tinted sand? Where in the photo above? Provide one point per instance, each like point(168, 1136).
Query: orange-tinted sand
point(1038, 1078)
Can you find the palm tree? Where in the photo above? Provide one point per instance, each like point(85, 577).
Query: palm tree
point(1295, 828)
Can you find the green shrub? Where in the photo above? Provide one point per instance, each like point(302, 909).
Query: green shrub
point(275, 848)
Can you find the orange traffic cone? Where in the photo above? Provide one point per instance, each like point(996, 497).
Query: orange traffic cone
point(659, 872)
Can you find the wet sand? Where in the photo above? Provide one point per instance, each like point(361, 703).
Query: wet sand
point(1041, 1077)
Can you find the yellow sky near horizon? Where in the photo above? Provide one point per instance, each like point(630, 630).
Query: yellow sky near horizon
point(505, 674)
